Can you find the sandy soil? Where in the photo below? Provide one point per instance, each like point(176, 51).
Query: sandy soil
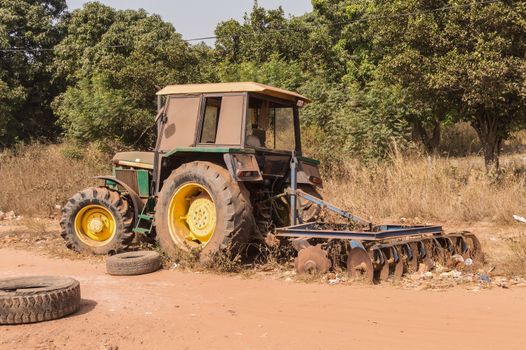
point(185, 310)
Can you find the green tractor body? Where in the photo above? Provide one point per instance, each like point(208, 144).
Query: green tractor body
point(214, 179)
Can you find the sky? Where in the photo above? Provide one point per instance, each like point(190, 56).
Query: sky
point(198, 18)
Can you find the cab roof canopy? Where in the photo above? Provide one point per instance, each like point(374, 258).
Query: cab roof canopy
point(232, 87)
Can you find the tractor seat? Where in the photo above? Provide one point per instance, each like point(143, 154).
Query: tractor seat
point(142, 160)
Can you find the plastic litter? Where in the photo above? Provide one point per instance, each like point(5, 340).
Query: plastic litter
point(519, 219)
point(485, 278)
point(427, 275)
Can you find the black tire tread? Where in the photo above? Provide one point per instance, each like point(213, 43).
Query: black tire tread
point(133, 263)
point(39, 306)
point(239, 220)
point(108, 198)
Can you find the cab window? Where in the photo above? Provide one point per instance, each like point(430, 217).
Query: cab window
point(270, 124)
point(210, 120)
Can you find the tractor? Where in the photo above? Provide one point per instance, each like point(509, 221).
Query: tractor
point(227, 170)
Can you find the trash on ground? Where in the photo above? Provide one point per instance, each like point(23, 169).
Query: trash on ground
point(484, 278)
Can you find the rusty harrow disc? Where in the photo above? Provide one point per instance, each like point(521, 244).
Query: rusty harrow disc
point(474, 250)
point(381, 268)
point(411, 262)
point(312, 260)
point(360, 266)
point(398, 263)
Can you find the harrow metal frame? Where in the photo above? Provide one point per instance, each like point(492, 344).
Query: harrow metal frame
point(310, 230)
point(373, 233)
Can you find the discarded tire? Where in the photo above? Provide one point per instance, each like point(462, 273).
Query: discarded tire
point(37, 298)
point(133, 263)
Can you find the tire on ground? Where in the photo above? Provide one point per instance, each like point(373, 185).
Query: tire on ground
point(39, 298)
point(133, 263)
point(120, 209)
point(235, 223)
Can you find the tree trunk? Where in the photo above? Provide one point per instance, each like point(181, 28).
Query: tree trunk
point(431, 141)
point(490, 139)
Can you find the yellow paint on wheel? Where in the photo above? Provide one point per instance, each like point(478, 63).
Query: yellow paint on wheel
point(192, 214)
point(95, 225)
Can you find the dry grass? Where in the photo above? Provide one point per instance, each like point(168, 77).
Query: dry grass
point(514, 262)
point(431, 189)
point(38, 177)
point(451, 191)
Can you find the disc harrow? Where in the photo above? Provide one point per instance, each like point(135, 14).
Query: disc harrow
point(373, 257)
point(374, 252)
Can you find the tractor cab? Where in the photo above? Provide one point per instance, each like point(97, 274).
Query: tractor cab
point(243, 115)
point(251, 128)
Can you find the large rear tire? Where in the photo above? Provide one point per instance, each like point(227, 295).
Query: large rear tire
point(200, 207)
point(97, 220)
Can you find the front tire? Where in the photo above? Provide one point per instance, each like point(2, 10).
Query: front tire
point(201, 207)
point(97, 220)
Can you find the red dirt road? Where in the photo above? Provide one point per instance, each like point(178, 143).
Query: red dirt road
point(183, 310)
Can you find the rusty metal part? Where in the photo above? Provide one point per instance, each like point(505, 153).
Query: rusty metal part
point(449, 250)
point(398, 264)
point(441, 255)
point(431, 251)
point(461, 246)
point(312, 260)
point(299, 244)
point(382, 272)
point(360, 266)
point(412, 263)
point(436, 252)
point(474, 247)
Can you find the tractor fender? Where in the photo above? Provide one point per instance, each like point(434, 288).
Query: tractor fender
point(136, 200)
point(243, 167)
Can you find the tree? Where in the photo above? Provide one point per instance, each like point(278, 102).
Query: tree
point(115, 61)
point(263, 34)
point(464, 60)
point(28, 32)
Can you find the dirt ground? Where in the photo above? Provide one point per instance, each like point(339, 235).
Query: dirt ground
point(193, 310)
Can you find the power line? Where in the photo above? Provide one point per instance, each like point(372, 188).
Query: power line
point(364, 19)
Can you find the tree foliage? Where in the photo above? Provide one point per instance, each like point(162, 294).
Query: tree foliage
point(381, 73)
point(114, 69)
point(466, 63)
point(26, 86)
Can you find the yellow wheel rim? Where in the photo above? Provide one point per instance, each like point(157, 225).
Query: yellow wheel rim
point(94, 225)
point(192, 214)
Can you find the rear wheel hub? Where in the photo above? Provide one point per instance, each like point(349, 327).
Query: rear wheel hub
point(94, 224)
point(201, 217)
point(192, 214)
